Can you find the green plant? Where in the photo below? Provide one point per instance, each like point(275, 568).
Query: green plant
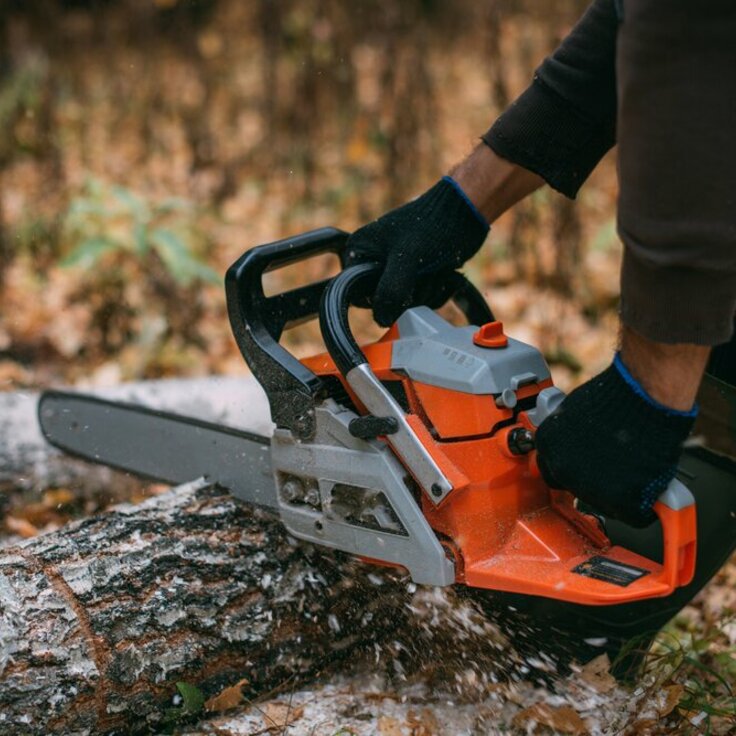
point(189, 703)
point(137, 267)
point(21, 94)
point(106, 219)
point(703, 663)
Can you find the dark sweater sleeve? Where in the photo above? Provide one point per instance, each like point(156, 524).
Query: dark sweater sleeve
point(565, 122)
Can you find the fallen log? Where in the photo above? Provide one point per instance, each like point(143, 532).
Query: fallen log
point(100, 620)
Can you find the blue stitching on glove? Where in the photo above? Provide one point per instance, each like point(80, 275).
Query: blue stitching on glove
point(467, 200)
point(637, 388)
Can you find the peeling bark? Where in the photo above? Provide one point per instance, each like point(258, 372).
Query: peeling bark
point(99, 620)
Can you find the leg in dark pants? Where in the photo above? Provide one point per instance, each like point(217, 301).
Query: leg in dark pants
point(676, 76)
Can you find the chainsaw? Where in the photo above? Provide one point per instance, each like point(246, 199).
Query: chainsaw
point(416, 452)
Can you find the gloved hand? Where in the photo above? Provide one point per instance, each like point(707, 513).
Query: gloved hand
point(613, 446)
point(419, 244)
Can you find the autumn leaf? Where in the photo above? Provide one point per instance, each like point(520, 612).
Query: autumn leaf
point(230, 697)
point(596, 673)
point(388, 726)
point(671, 696)
point(277, 715)
point(562, 719)
point(21, 527)
point(423, 724)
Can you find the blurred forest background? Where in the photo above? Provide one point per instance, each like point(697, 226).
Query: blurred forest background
point(146, 143)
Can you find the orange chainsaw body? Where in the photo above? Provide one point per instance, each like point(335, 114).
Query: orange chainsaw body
point(502, 526)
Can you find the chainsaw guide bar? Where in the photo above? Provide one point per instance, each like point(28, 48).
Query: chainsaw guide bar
point(159, 445)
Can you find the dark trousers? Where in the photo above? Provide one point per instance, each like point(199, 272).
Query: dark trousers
point(676, 130)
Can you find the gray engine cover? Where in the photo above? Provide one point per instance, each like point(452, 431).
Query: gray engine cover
point(432, 351)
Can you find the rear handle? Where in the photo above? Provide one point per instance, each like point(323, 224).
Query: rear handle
point(258, 321)
point(676, 511)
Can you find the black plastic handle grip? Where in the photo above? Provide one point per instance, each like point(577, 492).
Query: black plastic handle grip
point(257, 322)
point(351, 284)
point(244, 280)
point(358, 281)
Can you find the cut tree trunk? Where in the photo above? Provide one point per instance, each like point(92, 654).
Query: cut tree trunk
point(102, 620)
point(99, 620)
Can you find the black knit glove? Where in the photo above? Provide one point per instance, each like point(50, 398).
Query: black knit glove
point(613, 446)
point(419, 244)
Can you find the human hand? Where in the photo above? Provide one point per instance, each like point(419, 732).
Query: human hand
point(419, 245)
point(613, 446)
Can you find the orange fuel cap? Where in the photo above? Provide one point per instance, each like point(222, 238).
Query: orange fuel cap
point(490, 335)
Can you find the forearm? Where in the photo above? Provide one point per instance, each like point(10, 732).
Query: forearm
point(492, 183)
point(564, 123)
point(670, 374)
point(557, 131)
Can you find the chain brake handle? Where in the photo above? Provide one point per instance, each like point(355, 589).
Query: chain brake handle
point(436, 478)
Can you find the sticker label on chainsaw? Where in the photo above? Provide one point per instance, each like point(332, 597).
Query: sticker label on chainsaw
point(610, 571)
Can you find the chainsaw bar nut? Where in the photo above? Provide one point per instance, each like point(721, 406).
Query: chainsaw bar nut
point(292, 490)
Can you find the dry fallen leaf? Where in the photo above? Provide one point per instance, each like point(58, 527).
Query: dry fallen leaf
point(596, 673)
point(230, 697)
point(670, 698)
point(423, 724)
point(642, 727)
point(55, 497)
point(278, 715)
point(12, 374)
point(41, 516)
point(562, 719)
point(21, 527)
